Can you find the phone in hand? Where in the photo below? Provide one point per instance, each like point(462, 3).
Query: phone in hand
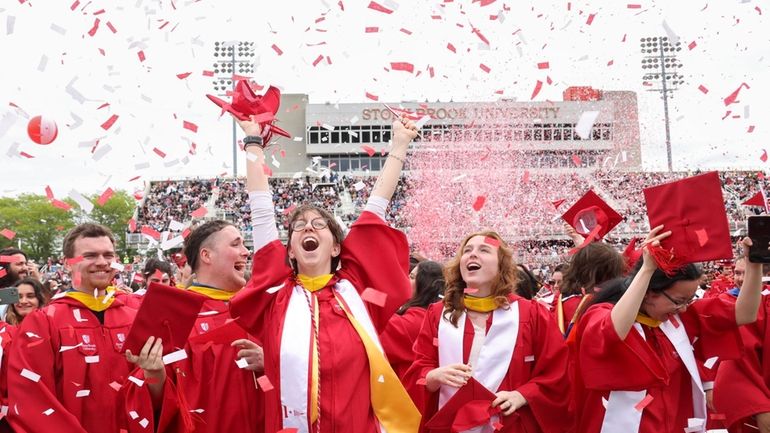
point(759, 232)
point(9, 295)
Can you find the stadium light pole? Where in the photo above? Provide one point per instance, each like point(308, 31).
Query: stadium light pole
point(231, 59)
point(659, 57)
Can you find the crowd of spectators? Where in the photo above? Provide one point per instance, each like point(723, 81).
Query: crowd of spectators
point(531, 222)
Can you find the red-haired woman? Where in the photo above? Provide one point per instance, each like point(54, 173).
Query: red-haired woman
point(508, 344)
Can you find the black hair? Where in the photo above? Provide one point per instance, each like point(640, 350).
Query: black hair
point(613, 290)
point(9, 278)
point(195, 240)
point(527, 285)
point(429, 284)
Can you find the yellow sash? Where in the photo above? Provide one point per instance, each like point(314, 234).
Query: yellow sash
point(392, 405)
point(219, 295)
point(560, 313)
point(646, 320)
point(481, 305)
point(94, 303)
point(312, 284)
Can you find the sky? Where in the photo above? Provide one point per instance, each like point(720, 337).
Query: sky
point(59, 63)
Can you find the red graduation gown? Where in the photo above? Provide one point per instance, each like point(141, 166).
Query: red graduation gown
point(398, 338)
point(742, 385)
point(344, 368)
point(221, 396)
point(7, 333)
point(62, 374)
point(606, 363)
point(542, 381)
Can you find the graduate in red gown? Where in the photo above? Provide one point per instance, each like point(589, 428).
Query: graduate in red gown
point(220, 394)
point(640, 344)
point(7, 334)
point(400, 334)
point(508, 344)
point(742, 386)
point(66, 367)
point(319, 303)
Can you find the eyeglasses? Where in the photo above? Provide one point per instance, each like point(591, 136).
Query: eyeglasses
point(319, 223)
point(679, 305)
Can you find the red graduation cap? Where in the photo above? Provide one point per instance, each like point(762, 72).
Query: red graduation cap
point(166, 312)
point(694, 210)
point(592, 217)
point(470, 407)
point(246, 104)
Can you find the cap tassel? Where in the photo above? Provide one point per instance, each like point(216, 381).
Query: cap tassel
point(666, 260)
point(184, 406)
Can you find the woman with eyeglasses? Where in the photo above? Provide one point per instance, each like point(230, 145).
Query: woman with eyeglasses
point(642, 343)
point(319, 302)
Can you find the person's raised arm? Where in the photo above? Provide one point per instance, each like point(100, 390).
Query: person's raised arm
point(624, 312)
point(750, 295)
point(404, 131)
point(263, 227)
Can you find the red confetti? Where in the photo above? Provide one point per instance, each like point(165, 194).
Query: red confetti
point(642, 404)
point(634, 6)
point(763, 158)
point(543, 65)
point(265, 169)
point(159, 152)
point(141, 55)
point(479, 203)
point(558, 203)
point(525, 177)
point(379, 8)
point(692, 45)
point(318, 59)
point(702, 236)
point(538, 86)
point(717, 416)
point(111, 121)
point(25, 154)
point(61, 205)
point(3, 272)
point(104, 197)
point(200, 212)
point(756, 8)
point(590, 19)
point(703, 89)
point(74, 5)
point(374, 296)
point(208, 73)
point(406, 31)
point(265, 383)
point(184, 75)
point(372, 97)
point(189, 125)
point(111, 27)
point(422, 381)
point(151, 232)
point(577, 161)
point(276, 49)
point(289, 209)
point(94, 28)
point(8, 233)
point(751, 129)
point(491, 241)
point(48, 192)
point(132, 225)
point(497, 425)
point(369, 150)
point(484, 68)
point(481, 36)
point(402, 66)
point(731, 98)
point(372, 29)
point(186, 232)
point(451, 47)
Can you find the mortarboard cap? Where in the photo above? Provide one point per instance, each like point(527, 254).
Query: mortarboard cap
point(592, 217)
point(470, 407)
point(167, 313)
point(694, 210)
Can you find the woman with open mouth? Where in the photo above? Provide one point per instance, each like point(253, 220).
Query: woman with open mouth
point(486, 358)
point(319, 302)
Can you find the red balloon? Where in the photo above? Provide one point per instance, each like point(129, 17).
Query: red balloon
point(42, 130)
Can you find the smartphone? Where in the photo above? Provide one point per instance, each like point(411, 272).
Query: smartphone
point(759, 232)
point(9, 295)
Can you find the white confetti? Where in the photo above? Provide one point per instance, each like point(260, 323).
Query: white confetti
point(83, 393)
point(48, 411)
point(585, 124)
point(241, 363)
point(92, 359)
point(30, 375)
point(174, 356)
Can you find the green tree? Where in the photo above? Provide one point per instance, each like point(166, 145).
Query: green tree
point(39, 225)
point(114, 214)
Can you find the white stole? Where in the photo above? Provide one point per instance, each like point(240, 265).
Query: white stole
point(295, 351)
point(621, 415)
point(494, 358)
